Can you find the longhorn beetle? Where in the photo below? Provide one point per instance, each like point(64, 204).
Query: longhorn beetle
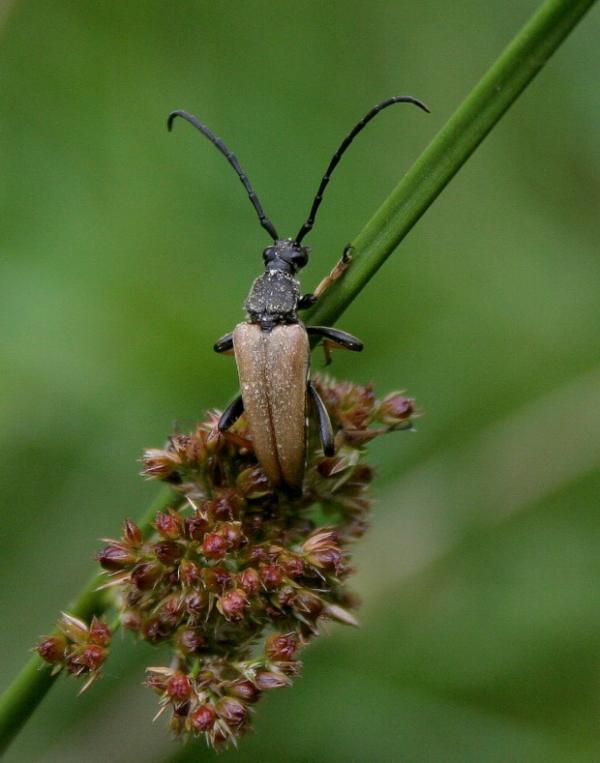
point(271, 347)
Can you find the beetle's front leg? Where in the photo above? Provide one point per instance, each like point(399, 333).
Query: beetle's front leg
point(231, 414)
point(308, 300)
point(325, 428)
point(224, 344)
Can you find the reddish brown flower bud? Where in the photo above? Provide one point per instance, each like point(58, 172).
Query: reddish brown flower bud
point(189, 572)
point(253, 483)
point(267, 679)
point(216, 579)
point(228, 505)
point(395, 409)
point(99, 632)
point(188, 640)
point(203, 718)
point(195, 526)
point(293, 566)
point(329, 467)
point(286, 596)
point(281, 648)
point(327, 558)
point(362, 474)
point(307, 604)
point(322, 551)
point(155, 630)
point(250, 580)
point(356, 438)
point(232, 532)
point(233, 711)
point(52, 648)
point(146, 574)
point(214, 546)
point(116, 556)
point(233, 605)
point(157, 683)
point(271, 576)
point(132, 533)
point(168, 552)
point(196, 601)
point(159, 464)
point(179, 687)
point(170, 525)
point(258, 554)
point(91, 657)
point(245, 690)
point(170, 610)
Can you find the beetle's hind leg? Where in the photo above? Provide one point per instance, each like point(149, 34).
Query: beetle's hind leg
point(325, 428)
point(231, 414)
point(224, 344)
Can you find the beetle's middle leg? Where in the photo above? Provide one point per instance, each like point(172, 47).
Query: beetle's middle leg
point(231, 414)
point(342, 265)
point(335, 336)
point(325, 428)
point(224, 344)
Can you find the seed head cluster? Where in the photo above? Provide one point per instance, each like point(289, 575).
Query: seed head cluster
point(77, 647)
point(235, 576)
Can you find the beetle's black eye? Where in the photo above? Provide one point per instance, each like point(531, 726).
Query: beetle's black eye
point(269, 255)
point(300, 258)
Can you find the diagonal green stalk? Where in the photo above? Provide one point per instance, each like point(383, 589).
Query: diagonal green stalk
point(498, 89)
point(441, 160)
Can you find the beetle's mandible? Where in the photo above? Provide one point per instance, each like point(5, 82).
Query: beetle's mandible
point(271, 347)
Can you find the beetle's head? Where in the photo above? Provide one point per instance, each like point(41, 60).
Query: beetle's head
point(286, 255)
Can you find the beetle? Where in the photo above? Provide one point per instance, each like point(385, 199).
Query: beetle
point(272, 346)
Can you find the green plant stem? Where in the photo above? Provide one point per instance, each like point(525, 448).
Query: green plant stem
point(441, 160)
point(30, 686)
point(498, 89)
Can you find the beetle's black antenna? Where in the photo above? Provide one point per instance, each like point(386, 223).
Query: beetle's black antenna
point(232, 159)
point(339, 153)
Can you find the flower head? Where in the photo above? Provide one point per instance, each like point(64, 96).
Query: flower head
point(236, 576)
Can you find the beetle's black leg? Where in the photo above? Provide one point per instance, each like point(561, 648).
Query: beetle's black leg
point(345, 340)
point(224, 344)
point(306, 301)
point(231, 414)
point(325, 429)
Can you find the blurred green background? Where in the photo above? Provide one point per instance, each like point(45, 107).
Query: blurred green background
point(125, 252)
